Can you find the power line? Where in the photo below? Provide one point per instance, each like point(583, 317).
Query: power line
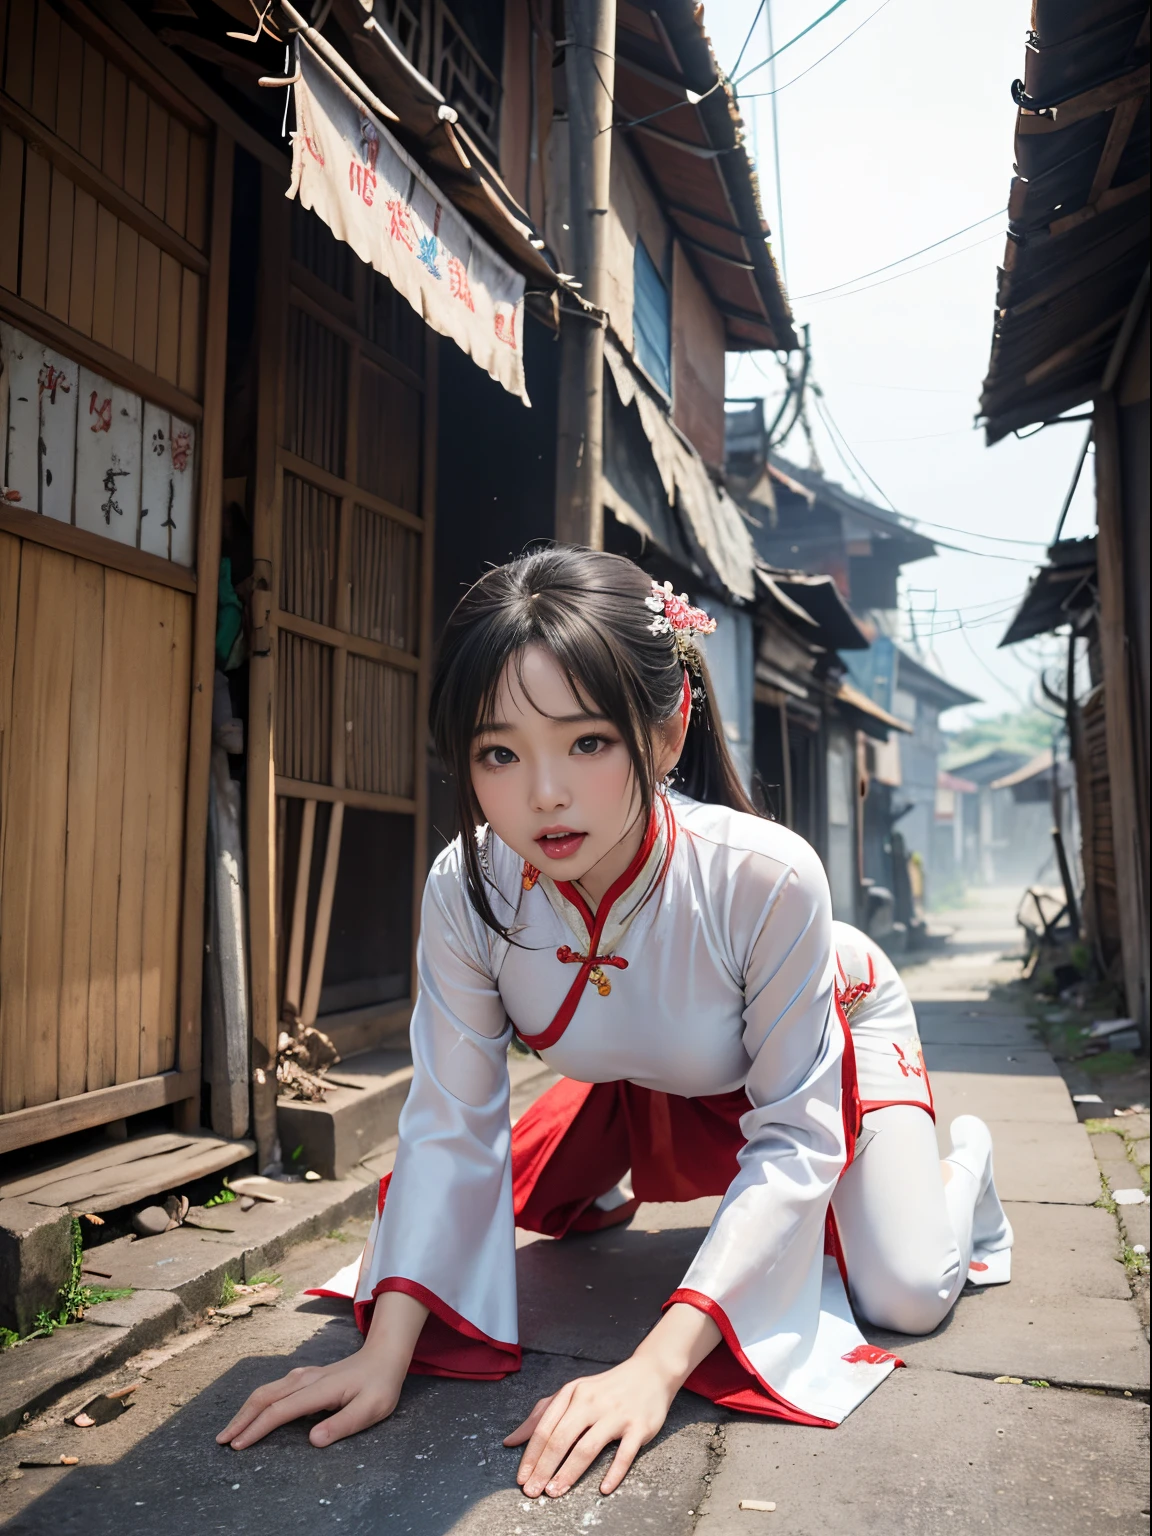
point(852, 292)
point(776, 149)
point(835, 433)
point(776, 89)
point(784, 47)
point(748, 39)
point(924, 249)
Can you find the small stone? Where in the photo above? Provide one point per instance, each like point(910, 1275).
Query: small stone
point(311, 1177)
point(1129, 1196)
point(1011, 1381)
point(235, 1309)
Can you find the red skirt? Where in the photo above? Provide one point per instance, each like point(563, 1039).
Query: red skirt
point(575, 1143)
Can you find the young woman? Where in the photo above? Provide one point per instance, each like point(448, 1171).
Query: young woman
point(673, 956)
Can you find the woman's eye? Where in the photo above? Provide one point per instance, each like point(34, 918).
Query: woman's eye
point(588, 745)
point(498, 757)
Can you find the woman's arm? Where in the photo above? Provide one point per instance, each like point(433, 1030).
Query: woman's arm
point(359, 1391)
point(566, 1432)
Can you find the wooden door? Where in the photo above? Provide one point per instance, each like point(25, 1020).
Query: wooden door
point(113, 302)
point(343, 544)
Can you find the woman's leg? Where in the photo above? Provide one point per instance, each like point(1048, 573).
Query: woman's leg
point(906, 1220)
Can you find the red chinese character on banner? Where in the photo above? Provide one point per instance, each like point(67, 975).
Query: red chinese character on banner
point(505, 324)
point(102, 410)
point(181, 448)
point(458, 282)
point(362, 181)
point(400, 222)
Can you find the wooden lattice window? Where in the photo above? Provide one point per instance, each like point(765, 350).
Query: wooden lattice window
point(342, 543)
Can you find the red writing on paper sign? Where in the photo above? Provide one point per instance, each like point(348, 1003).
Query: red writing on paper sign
point(102, 410)
point(181, 448)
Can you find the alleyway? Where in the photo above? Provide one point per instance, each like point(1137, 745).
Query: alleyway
point(941, 1448)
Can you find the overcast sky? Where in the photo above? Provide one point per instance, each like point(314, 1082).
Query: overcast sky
point(900, 138)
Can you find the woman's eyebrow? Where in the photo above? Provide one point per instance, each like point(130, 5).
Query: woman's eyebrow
point(491, 727)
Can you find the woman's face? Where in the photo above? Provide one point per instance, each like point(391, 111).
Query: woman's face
point(553, 776)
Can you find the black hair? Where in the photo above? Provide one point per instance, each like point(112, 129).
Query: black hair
point(587, 608)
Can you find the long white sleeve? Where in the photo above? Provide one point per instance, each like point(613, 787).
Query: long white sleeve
point(447, 1224)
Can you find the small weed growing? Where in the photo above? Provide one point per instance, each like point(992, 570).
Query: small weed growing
point(265, 1277)
point(228, 1291)
point(74, 1298)
point(225, 1197)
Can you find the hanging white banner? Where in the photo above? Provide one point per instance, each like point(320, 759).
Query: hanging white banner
point(349, 170)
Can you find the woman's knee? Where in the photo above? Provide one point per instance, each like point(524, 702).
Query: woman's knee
point(905, 1303)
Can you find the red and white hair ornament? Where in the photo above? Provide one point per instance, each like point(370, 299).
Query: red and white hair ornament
point(674, 615)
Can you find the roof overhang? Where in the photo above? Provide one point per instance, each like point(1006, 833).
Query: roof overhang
point(1060, 593)
point(694, 153)
point(1078, 224)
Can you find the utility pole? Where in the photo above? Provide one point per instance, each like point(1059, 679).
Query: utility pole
point(590, 70)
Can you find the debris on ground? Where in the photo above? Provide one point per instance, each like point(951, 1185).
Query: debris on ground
point(104, 1407)
point(303, 1056)
point(761, 1504)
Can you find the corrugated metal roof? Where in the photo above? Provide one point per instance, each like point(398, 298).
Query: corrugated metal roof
point(1077, 213)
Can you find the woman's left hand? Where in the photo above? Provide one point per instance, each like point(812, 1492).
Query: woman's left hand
point(566, 1432)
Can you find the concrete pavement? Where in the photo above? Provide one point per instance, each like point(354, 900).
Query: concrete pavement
point(941, 1447)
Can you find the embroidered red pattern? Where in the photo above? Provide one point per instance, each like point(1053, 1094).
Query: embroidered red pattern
point(867, 1354)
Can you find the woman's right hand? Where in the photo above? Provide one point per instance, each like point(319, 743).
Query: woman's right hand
point(358, 1392)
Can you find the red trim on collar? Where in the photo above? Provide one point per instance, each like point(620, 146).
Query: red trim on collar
point(595, 925)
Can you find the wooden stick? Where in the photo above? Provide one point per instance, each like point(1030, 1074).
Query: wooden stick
point(323, 917)
point(295, 967)
point(204, 629)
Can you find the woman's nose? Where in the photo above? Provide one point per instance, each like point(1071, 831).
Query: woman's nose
point(549, 791)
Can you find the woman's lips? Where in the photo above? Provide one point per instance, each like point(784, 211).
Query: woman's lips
point(561, 845)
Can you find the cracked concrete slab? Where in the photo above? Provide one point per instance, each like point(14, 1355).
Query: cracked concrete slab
point(933, 1454)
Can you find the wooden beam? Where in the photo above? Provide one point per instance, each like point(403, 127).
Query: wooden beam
point(263, 914)
point(27, 1127)
point(710, 250)
point(84, 174)
point(204, 624)
point(1083, 343)
point(330, 309)
point(1103, 204)
point(294, 968)
point(167, 73)
point(322, 926)
point(1101, 97)
point(424, 676)
point(92, 546)
point(1119, 131)
point(336, 485)
point(1113, 553)
point(357, 644)
point(119, 370)
point(365, 799)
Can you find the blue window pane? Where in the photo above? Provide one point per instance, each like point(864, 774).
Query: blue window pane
point(652, 319)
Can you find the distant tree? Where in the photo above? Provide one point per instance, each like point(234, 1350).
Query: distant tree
point(1014, 731)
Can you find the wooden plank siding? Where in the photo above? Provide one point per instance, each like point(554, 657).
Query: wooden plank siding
point(122, 193)
point(79, 861)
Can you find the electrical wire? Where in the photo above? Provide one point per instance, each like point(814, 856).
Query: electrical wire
point(783, 48)
point(900, 260)
point(747, 40)
point(852, 292)
point(838, 437)
point(776, 89)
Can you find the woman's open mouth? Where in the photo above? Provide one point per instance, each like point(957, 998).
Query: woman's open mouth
point(560, 843)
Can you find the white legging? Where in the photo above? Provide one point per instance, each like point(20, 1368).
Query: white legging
point(905, 1232)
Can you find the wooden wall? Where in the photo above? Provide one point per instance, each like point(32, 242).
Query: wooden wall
point(94, 730)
